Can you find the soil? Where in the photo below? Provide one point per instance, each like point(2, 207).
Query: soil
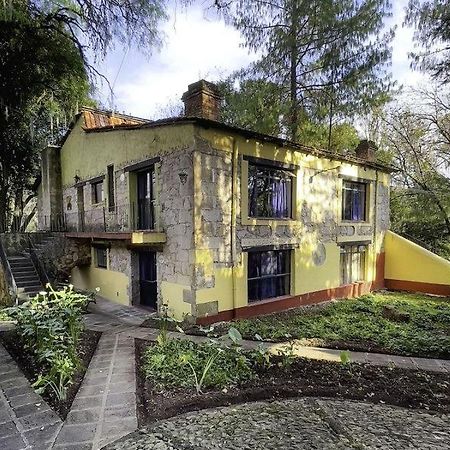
point(31, 368)
point(303, 378)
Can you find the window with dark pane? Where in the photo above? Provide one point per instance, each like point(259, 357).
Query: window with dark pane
point(269, 192)
point(101, 257)
point(111, 196)
point(97, 192)
point(353, 263)
point(354, 195)
point(269, 274)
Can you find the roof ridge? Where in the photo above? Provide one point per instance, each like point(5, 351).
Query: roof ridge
point(111, 113)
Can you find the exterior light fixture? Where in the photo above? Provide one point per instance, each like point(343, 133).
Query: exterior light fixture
point(183, 177)
point(76, 178)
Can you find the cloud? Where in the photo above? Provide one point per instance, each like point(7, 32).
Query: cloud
point(199, 45)
point(195, 48)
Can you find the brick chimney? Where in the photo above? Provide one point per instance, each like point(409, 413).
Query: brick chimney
point(202, 99)
point(366, 150)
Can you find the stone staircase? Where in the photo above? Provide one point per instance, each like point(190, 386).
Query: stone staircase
point(25, 275)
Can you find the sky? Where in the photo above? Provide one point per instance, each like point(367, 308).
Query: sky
point(199, 45)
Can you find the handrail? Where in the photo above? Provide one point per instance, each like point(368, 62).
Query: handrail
point(37, 263)
point(7, 268)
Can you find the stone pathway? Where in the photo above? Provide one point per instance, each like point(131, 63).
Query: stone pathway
point(104, 409)
point(305, 423)
point(105, 406)
point(26, 421)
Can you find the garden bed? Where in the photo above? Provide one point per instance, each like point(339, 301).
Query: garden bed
point(31, 368)
point(302, 377)
point(385, 322)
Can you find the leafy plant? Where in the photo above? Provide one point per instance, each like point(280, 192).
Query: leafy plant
point(183, 363)
point(344, 356)
point(186, 359)
point(287, 355)
point(50, 325)
point(361, 321)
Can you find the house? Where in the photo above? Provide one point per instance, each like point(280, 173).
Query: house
point(213, 221)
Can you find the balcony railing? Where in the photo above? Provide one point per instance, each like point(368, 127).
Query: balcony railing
point(120, 218)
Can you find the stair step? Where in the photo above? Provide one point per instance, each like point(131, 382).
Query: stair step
point(22, 270)
point(26, 277)
point(28, 284)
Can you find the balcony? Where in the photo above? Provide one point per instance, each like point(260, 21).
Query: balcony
point(133, 222)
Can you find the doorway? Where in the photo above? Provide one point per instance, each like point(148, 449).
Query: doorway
point(80, 207)
point(145, 187)
point(147, 279)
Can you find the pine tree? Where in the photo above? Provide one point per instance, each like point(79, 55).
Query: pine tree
point(329, 57)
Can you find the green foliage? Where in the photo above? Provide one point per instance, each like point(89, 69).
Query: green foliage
point(344, 356)
point(259, 105)
point(183, 363)
point(432, 33)
point(4, 315)
point(361, 320)
point(328, 58)
point(417, 140)
point(50, 326)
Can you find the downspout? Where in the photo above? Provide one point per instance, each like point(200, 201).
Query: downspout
point(234, 186)
point(375, 227)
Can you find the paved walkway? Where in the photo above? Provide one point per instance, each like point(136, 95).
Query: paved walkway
point(108, 314)
point(26, 421)
point(104, 409)
point(305, 423)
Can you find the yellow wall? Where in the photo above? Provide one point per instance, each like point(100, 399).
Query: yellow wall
point(89, 154)
point(172, 296)
point(410, 262)
point(113, 285)
point(230, 291)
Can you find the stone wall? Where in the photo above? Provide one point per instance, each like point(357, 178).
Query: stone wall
point(5, 298)
point(60, 255)
point(175, 185)
point(317, 210)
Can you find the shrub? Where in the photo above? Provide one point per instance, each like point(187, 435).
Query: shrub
point(50, 326)
point(183, 363)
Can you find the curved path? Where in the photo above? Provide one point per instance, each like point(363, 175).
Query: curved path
point(305, 423)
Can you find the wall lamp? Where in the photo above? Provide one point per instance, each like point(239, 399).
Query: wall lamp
point(183, 177)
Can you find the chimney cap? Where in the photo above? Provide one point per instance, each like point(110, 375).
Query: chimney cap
point(202, 86)
point(366, 149)
point(202, 99)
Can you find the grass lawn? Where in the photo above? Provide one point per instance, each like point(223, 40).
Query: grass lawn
point(391, 322)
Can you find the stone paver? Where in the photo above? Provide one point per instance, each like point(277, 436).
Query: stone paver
point(26, 421)
point(129, 315)
point(304, 423)
point(104, 409)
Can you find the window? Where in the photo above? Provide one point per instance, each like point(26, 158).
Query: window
point(101, 257)
point(111, 199)
point(353, 263)
point(269, 192)
point(97, 192)
point(354, 200)
point(269, 274)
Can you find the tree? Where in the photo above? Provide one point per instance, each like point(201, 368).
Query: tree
point(328, 57)
point(418, 144)
point(45, 73)
point(432, 31)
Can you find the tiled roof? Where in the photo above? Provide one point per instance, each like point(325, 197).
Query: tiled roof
point(95, 119)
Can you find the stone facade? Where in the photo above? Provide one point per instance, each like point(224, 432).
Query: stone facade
point(201, 210)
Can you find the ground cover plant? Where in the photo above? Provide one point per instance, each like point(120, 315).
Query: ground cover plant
point(166, 386)
point(388, 322)
point(50, 343)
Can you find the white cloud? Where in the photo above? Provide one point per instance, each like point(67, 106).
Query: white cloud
point(201, 47)
point(195, 48)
